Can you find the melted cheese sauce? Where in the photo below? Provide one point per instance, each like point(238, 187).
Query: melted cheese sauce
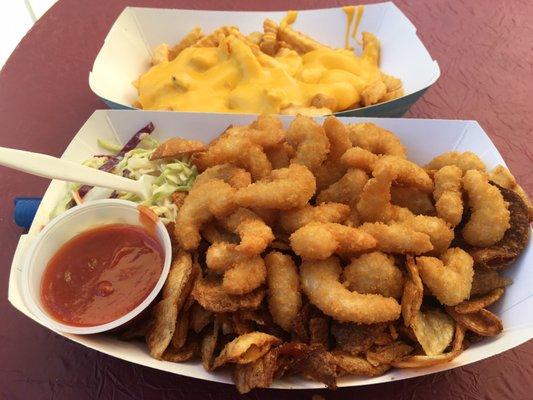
point(231, 79)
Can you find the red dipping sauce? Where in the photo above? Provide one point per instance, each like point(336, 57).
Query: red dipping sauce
point(101, 274)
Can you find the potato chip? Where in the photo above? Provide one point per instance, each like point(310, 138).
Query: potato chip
point(413, 292)
point(514, 240)
point(353, 365)
point(388, 354)
point(259, 373)
point(165, 313)
point(182, 328)
point(354, 339)
point(184, 353)
point(246, 348)
point(319, 365)
point(433, 330)
point(208, 346)
point(211, 296)
point(199, 318)
point(476, 304)
point(420, 361)
point(319, 331)
point(486, 281)
point(241, 325)
point(482, 322)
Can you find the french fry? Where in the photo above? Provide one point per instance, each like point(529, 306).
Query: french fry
point(269, 43)
point(161, 54)
point(190, 39)
point(299, 41)
point(214, 39)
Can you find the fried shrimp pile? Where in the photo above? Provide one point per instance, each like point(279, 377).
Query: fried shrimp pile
point(319, 249)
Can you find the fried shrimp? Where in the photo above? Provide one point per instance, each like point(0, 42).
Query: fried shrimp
point(501, 176)
point(448, 195)
point(332, 169)
point(266, 131)
point(242, 274)
point(309, 140)
point(213, 198)
point(320, 282)
point(448, 278)
point(466, 160)
point(413, 199)
point(221, 256)
point(234, 176)
point(346, 190)
point(398, 238)
point(375, 202)
point(375, 139)
point(255, 234)
point(319, 240)
point(440, 234)
point(284, 298)
point(245, 276)
point(357, 157)
point(403, 171)
point(284, 189)
point(280, 155)
point(292, 220)
point(374, 273)
point(237, 149)
point(490, 213)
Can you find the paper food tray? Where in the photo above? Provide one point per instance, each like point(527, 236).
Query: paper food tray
point(126, 52)
point(514, 308)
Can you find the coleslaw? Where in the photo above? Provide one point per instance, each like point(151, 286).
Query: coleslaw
point(133, 161)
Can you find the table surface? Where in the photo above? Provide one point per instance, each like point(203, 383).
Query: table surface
point(484, 51)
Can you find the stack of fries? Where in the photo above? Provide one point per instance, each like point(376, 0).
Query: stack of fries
point(269, 48)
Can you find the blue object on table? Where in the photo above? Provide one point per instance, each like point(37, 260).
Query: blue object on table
point(25, 209)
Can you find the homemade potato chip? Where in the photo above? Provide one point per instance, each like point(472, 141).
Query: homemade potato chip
point(317, 364)
point(184, 353)
point(385, 355)
point(165, 313)
point(319, 331)
point(353, 365)
point(482, 322)
point(199, 318)
point(434, 331)
point(476, 304)
point(515, 239)
point(259, 373)
point(419, 361)
point(208, 346)
point(246, 348)
point(486, 281)
point(355, 339)
point(413, 293)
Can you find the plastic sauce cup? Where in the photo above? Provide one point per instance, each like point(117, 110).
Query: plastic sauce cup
point(63, 228)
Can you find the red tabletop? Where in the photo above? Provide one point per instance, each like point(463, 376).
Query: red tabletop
point(484, 51)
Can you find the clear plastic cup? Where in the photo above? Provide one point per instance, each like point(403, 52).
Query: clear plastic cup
point(63, 228)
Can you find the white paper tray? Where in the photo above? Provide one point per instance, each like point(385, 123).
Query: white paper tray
point(423, 138)
point(126, 52)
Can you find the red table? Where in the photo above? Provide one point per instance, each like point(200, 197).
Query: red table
point(484, 51)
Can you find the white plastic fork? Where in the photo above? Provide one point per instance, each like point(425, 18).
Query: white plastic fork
point(55, 168)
